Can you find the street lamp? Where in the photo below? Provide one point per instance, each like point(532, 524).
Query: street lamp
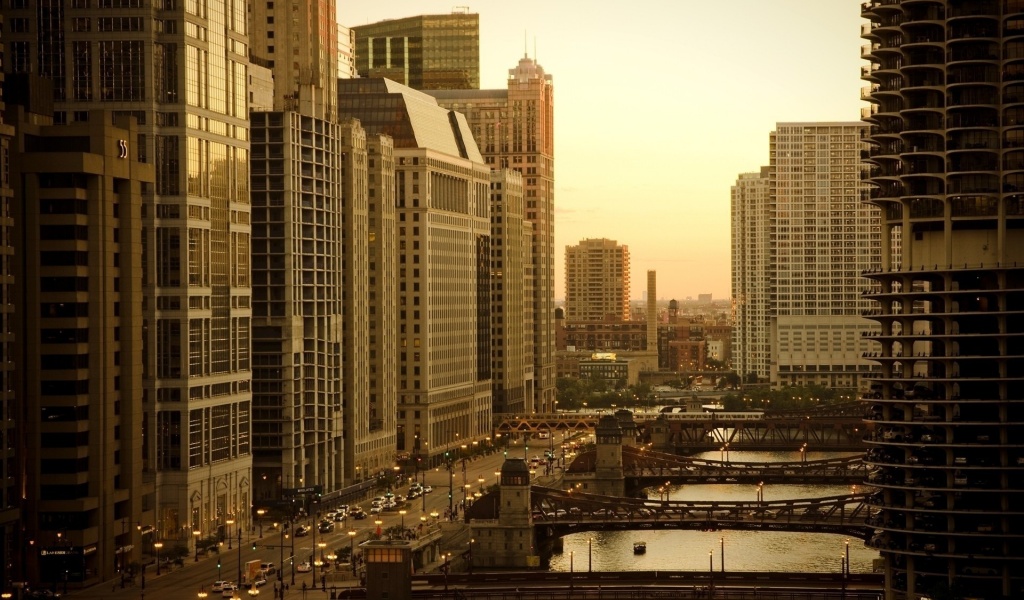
point(202, 593)
point(259, 517)
point(195, 534)
point(722, 561)
point(403, 513)
point(158, 546)
point(321, 546)
point(590, 555)
point(471, 540)
point(434, 515)
point(229, 523)
point(254, 591)
point(352, 550)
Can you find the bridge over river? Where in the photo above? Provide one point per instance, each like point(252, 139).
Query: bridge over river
point(696, 432)
point(642, 468)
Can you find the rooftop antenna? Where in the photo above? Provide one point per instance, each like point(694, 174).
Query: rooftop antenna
point(526, 50)
point(534, 48)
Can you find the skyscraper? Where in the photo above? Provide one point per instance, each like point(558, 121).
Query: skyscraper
point(442, 191)
point(180, 69)
point(427, 52)
point(820, 238)
point(946, 87)
point(514, 128)
point(597, 281)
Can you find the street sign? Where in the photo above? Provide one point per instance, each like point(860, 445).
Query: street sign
point(302, 491)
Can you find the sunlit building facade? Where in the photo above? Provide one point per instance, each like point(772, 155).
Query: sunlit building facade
point(597, 282)
point(751, 255)
point(514, 129)
point(945, 82)
point(442, 199)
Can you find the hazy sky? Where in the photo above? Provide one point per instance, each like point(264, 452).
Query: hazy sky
point(659, 105)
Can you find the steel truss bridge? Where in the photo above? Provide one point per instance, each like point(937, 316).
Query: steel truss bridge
point(642, 468)
point(560, 512)
point(711, 431)
point(557, 513)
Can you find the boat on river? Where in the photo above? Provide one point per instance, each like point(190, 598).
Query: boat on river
point(639, 547)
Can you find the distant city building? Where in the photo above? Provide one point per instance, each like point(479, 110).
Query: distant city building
point(346, 53)
point(443, 208)
point(426, 52)
point(822, 238)
point(514, 129)
point(77, 211)
point(945, 160)
point(597, 281)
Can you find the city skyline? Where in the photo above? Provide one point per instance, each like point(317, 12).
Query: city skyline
point(689, 83)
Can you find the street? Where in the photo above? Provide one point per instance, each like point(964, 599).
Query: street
point(467, 477)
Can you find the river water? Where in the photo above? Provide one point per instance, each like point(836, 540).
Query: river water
point(744, 550)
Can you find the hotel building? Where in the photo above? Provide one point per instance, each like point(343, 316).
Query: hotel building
point(945, 82)
point(180, 69)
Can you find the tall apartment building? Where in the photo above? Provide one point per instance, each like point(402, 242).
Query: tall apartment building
point(180, 69)
point(426, 52)
point(10, 513)
point(443, 297)
point(597, 281)
point(77, 206)
point(514, 129)
point(821, 237)
point(946, 132)
point(298, 439)
point(751, 258)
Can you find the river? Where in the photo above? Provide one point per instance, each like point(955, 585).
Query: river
point(744, 550)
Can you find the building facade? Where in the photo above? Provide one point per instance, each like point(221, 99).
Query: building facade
point(946, 128)
point(181, 70)
point(597, 281)
point(442, 204)
point(426, 52)
point(514, 129)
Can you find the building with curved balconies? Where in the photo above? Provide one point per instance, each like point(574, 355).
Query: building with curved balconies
point(946, 166)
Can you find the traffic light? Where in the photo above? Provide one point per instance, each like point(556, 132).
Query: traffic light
point(218, 564)
point(254, 545)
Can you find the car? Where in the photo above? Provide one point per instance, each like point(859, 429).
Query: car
point(228, 591)
point(301, 531)
point(304, 567)
point(269, 567)
point(358, 513)
point(44, 593)
point(375, 509)
point(326, 526)
point(260, 582)
point(218, 586)
point(427, 489)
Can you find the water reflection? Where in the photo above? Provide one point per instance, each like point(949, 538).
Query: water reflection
point(743, 550)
